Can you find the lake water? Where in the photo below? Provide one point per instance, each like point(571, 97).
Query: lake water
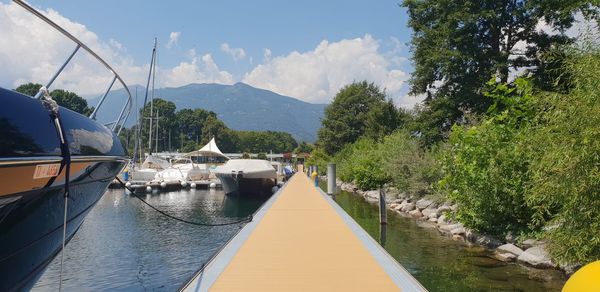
point(440, 263)
point(124, 245)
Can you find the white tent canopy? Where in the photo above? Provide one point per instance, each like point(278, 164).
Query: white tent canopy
point(209, 149)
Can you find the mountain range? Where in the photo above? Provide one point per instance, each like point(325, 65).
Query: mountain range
point(240, 106)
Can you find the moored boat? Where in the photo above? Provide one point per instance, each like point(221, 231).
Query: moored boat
point(55, 164)
point(247, 177)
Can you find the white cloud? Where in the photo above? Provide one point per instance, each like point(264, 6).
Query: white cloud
point(235, 53)
point(173, 39)
point(197, 70)
point(267, 55)
point(317, 75)
point(36, 51)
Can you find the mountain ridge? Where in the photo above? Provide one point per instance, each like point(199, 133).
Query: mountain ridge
point(240, 106)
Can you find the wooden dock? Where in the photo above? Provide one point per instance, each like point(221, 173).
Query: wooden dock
point(301, 240)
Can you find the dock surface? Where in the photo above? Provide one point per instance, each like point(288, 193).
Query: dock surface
point(301, 240)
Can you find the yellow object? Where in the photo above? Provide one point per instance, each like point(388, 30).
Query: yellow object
point(313, 175)
point(586, 279)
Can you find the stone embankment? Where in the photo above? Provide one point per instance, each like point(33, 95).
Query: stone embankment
point(529, 252)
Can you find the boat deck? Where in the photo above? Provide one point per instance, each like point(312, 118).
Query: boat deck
point(301, 240)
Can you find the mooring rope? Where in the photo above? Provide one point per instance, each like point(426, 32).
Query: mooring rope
point(244, 220)
point(65, 152)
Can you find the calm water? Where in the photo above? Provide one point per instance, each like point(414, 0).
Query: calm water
point(124, 245)
point(440, 263)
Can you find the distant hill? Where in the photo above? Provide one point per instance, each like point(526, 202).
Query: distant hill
point(240, 106)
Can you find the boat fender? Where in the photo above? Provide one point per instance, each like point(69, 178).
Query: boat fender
point(213, 185)
point(193, 185)
point(163, 184)
point(274, 189)
point(128, 184)
point(148, 189)
point(183, 184)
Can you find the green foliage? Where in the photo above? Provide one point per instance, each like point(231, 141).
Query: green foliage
point(485, 167)
point(360, 163)
point(383, 119)
point(565, 171)
point(304, 148)
point(189, 147)
point(411, 168)
point(345, 119)
point(458, 45)
point(262, 156)
point(318, 157)
point(265, 141)
point(64, 98)
point(246, 155)
point(30, 89)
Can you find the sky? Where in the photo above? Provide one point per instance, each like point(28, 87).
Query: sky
point(305, 49)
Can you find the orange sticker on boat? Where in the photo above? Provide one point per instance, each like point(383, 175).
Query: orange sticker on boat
point(46, 170)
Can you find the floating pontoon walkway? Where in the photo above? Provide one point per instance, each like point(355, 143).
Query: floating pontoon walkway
point(301, 240)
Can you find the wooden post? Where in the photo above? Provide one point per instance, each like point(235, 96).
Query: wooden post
point(382, 207)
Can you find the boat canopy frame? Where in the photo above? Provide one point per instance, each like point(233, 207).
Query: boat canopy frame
point(116, 125)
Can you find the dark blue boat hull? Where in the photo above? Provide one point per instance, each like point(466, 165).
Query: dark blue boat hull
point(31, 199)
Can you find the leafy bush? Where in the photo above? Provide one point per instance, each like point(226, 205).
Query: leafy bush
point(360, 163)
point(565, 173)
point(319, 158)
point(485, 166)
point(410, 168)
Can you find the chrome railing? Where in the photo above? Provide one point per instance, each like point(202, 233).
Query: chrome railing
point(116, 125)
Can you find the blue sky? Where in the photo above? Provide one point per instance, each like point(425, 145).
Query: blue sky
point(256, 42)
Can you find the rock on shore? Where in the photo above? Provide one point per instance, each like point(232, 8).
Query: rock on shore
point(431, 213)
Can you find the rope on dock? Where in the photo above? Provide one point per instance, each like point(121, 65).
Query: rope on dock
point(244, 220)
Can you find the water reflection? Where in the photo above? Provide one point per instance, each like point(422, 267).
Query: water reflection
point(125, 246)
point(440, 263)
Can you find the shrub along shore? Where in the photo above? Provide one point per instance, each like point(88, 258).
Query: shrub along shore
point(529, 252)
point(525, 172)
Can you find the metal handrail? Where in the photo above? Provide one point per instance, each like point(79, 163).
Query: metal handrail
point(120, 122)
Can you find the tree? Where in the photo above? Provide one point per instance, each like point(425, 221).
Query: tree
point(345, 118)
point(225, 138)
point(458, 45)
point(166, 123)
point(383, 119)
point(30, 89)
point(304, 148)
point(64, 98)
point(262, 156)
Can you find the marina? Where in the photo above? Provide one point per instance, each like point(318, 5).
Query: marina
point(456, 181)
point(125, 246)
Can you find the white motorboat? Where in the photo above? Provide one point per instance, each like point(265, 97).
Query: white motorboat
point(183, 170)
point(247, 177)
point(151, 166)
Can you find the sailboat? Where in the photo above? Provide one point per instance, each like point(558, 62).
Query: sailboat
point(193, 166)
point(55, 165)
point(152, 165)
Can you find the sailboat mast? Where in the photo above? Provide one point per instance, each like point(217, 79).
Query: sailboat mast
point(156, 144)
point(151, 75)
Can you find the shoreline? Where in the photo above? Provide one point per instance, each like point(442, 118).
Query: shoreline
point(529, 253)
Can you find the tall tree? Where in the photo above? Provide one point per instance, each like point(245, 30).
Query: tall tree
point(459, 45)
point(345, 118)
point(166, 123)
point(64, 98)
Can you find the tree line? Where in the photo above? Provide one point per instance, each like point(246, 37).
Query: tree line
point(509, 128)
point(185, 130)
